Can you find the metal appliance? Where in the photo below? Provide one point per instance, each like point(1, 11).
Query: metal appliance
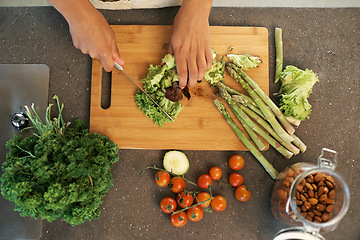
point(20, 85)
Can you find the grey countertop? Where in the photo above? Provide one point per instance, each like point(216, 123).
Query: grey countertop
point(324, 40)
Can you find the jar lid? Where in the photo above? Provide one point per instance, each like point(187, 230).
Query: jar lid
point(296, 234)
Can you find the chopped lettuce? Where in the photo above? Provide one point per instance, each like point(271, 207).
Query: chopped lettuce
point(153, 112)
point(296, 86)
point(214, 55)
point(158, 78)
point(216, 73)
point(169, 60)
point(245, 61)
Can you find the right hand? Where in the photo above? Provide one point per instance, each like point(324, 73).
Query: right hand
point(190, 41)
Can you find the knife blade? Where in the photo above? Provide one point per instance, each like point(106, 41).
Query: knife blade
point(120, 68)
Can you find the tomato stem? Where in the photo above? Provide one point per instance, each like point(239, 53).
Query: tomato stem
point(192, 206)
point(159, 169)
point(210, 186)
point(189, 181)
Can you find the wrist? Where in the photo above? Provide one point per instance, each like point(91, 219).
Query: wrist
point(199, 8)
point(73, 10)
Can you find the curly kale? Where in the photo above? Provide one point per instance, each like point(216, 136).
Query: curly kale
point(58, 171)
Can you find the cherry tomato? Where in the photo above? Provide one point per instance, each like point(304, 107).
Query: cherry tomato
point(242, 193)
point(218, 203)
point(177, 184)
point(236, 179)
point(236, 162)
point(195, 214)
point(204, 181)
point(202, 197)
point(215, 173)
point(179, 219)
point(162, 178)
point(168, 205)
point(184, 199)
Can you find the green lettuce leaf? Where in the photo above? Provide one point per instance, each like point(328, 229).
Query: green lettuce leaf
point(296, 86)
point(245, 61)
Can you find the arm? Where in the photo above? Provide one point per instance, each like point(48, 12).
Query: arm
point(190, 41)
point(90, 32)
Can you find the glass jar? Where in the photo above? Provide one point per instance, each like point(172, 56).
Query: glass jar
point(311, 198)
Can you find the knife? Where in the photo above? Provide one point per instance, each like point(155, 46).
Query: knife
point(120, 68)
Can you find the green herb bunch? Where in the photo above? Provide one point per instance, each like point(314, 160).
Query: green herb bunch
point(58, 171)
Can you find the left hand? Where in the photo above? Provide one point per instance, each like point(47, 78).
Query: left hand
point(190, 41)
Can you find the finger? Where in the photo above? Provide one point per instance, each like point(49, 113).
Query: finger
point(202, 66)
point(209, 57)
point(116, 54)
point(77, 45)
point(92, 54)
point(193, 71)
point(107, 62)
point(107, 66)
point(182, 70)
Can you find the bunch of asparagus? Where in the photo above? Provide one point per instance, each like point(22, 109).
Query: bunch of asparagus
point(259, 116)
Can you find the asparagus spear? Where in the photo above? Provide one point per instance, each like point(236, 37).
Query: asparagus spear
point(228, 89)
point(243, 118)
point(256, 114)
point(288, 127)
point(270, 130)
point(293, 121)
point(286, 153)
point(240, 97)
point(269, 116)
point(247, 123)
point(279, 53)
point(245, 103)
point(232, 91)
point(247, 99)
point(268, 166)
point(299, 143)
point(251, 132)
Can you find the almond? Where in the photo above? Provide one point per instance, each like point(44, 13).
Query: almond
point(322, 197)
point(313, 201)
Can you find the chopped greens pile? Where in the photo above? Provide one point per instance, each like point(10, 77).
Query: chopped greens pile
point(216, 72)
point(58, 171)
point(296, 86)
point(157, 80)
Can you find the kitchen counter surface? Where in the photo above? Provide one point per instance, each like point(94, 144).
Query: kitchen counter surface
point(324, 40)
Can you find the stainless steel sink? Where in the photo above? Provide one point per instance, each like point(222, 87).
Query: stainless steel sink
point(20, 85)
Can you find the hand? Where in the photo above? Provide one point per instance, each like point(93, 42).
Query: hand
point(90, 31)
point(93, 36)
point(190, 41)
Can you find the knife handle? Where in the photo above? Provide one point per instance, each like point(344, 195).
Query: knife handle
point(118, 66)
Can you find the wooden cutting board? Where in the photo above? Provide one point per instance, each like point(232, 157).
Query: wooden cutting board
point(199, 126)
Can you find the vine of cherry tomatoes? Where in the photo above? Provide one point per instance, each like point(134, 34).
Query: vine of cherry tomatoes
point(191, 205)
